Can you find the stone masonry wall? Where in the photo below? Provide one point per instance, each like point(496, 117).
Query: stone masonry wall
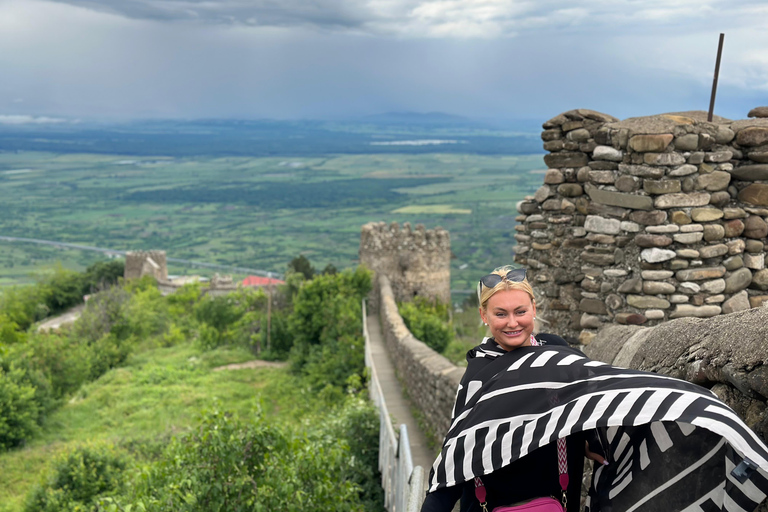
point(417, 262)
point(727, 354)
point(647, 219)
point(136, 265)
point(430, 379)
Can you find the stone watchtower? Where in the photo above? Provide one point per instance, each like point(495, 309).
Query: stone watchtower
point(417, 262)
point(142, 263)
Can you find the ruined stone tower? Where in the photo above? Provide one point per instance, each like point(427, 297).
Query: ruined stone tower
point(417, 262)
point(141, 263)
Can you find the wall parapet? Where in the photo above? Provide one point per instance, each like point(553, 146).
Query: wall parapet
point(416, 261)
point(646, 220)
point(430, 379)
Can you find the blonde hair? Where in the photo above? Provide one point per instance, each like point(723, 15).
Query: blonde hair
point(484, 293)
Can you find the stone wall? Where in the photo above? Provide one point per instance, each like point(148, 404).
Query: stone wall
point(140, 263)
point(727, 353)
point(646, 220)
point(429, 378)
point(417, 262)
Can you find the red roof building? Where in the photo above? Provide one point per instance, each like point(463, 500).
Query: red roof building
point(259, 281)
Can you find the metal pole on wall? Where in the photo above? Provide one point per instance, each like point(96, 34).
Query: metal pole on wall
point(714, 82)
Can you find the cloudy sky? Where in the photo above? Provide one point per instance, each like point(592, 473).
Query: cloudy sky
point(509, 59)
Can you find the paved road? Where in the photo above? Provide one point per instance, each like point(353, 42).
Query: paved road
point(398, 405)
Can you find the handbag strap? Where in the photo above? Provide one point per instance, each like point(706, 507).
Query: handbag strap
point(562, 468)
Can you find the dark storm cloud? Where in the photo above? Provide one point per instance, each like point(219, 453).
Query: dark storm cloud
point(342, 14)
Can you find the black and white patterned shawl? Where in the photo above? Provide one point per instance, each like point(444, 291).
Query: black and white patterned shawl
point(672, 445)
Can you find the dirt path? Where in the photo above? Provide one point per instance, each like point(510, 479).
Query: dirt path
point(57, 322)
point(252, 364)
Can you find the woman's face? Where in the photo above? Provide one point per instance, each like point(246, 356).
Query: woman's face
point(509, 315)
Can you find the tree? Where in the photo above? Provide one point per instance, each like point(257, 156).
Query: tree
point(301, 265)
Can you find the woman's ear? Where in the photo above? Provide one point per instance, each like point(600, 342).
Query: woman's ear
point(482, 315)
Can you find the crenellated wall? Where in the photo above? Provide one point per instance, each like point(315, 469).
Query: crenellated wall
point(417, 262)
point(646, 220)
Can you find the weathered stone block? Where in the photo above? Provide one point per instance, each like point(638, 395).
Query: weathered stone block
point(602, 177)
point(752, 136)
point(738, 302)
point(687, 142)
point(652, 240)
point(756, 193)
point(656, 255)
point(652, 218)
point(688, 238)
point(596, 224)
point(700, 274)
point(713, 232)
point(714, 181)
point(682, 200)
point(713, 251)
point(680, 218)
point(565, 159)
point(647, 302)
point(658, 287)
point(630, 318)
point(607, 153)
point(651, 143)
point(755, 227)
point(661, 186)
point(666, 159)
point(688, 310)
point(593, 306)
point(620, 199)
point(684, 170)
point(706, 214)
point(642, 171)
point(553, 177)
point(713, 286)
point(631, 286)
point(757, 172)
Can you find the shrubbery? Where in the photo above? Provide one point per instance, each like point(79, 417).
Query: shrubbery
point(227, 464)
point(19, 412)
point(327, 328)
point(75, 480)
point(428, 321)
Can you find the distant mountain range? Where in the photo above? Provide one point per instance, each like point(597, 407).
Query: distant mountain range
point(267, 137)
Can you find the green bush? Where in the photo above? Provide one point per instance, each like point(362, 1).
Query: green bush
point(327, 327)
point(19, 412)
point(358, 424)
point(230, 465)
point(76, 480)
point(428, 322)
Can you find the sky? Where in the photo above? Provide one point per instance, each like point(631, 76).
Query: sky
point(107, 60)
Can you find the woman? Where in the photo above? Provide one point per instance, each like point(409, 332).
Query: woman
point(672, 445)
point(508, 308)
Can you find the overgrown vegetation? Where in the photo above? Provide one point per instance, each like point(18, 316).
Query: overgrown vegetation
point(429, 321)
point(323, 458)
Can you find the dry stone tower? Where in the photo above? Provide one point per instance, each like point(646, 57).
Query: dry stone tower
point(142, 263)
point(417, 262)
point(647, 219)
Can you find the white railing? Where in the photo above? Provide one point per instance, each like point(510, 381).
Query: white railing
point(403, 484)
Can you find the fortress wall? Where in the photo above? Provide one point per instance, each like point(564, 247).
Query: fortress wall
point(726, 353)
point(646, 220)
point(430, 379)
point(417, 262)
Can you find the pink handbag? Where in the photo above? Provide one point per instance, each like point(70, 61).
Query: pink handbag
point(548, 504)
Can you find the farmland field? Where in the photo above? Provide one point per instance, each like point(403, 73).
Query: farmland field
point(256, 212)
point(222, 193)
